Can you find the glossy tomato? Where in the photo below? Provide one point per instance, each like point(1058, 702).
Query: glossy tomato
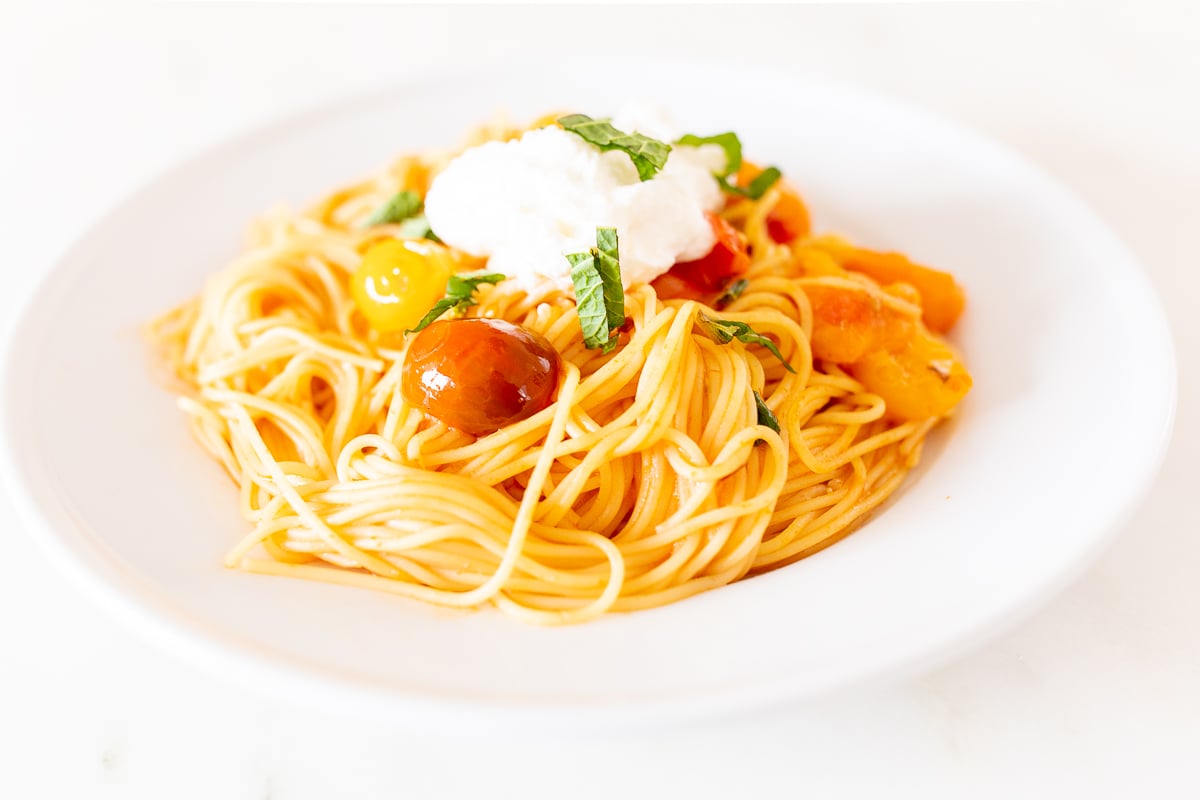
point(478, 375)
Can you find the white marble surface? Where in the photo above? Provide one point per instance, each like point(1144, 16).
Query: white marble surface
point(1097, 695)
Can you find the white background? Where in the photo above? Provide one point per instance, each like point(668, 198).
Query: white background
point(1098, 695)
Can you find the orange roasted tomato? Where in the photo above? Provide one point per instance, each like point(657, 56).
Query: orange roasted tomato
point(923, 378)
point(896, 357)
point(846, 323)
point(942, 299)
point(788, 220)
point(478, 375)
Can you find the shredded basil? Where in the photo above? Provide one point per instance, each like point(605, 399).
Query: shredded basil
point(609, 263)
point(417, 228)
point(732, 145)
point(648, 155)
point(724, 331)
point(765, 416)
point(460, 295)
point(757, 187)
point(400, 207)
point(599, 296)
point(732, 292)
point(729, 142)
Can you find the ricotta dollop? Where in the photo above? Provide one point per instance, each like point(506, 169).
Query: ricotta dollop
point(526, 203)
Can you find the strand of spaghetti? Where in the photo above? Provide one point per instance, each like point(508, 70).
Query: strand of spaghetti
point(520, 527)
point(271, 467)
point(785, 543)
point(303, 431)
point(816, 464)
point(344, 468)
point(601, 604)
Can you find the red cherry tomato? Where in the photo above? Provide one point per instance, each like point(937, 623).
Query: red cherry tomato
point(478, 375)
point(672, 287)
point(727, 259)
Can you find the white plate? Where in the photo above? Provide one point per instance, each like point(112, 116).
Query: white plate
point(1059, 439)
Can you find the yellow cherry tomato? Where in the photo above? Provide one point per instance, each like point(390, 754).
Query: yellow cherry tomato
point(399, 280)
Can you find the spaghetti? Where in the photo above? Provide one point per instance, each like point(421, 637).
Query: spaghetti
point(650, 477)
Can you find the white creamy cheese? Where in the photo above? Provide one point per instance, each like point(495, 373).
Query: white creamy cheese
point(525, 204)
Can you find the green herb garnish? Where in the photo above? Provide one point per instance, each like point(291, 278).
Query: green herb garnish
point(599, 296)
point(724, 331)
point(648, 155)
point(400, 207)
point(732, 145)
point(757, 187)
point(732, 292)
point(460, 295)
point(417, 228)
point(729, 142)
point(765, 416)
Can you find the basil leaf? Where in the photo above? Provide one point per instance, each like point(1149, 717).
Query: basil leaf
point(729, 142)
point(711, 328)
point(463, 286)
point(732, 292)
point(400, 207)
point(599, 295)
point(765, 416)
point(417, 228)
point(648, 155)
point(608, 262)
point(439, 308)
point(589, 300)
point(460, 291)
point(757, 187)
point(732, 145)
point(724, 331)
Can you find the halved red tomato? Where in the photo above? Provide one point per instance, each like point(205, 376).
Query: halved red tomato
point(709, 273)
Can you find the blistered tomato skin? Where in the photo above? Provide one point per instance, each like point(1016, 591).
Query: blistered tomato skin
point(478, 375)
